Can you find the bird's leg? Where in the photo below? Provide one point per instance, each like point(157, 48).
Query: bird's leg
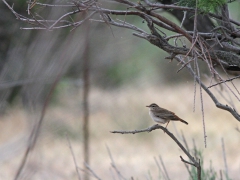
point(167, 124)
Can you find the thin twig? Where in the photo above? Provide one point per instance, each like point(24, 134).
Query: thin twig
point(189, 172)
point(157, 126)
point(214, 99)
point(187, 161)
point(224, 158)
point(92, 172)
point(154, 127)
point(185, 142)
point(74, 158)
point(36, 130)
point(236, 77)
point(159, 168)
point(114, 165)
point(164, 168)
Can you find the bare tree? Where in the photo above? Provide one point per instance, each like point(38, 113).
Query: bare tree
point(217, 45)
point(224, 35)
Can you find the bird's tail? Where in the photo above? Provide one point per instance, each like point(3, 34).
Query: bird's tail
point(183, 121)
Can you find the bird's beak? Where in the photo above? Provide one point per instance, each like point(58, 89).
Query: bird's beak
point(147, 106)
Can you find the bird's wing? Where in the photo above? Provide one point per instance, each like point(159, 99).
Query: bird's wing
point(165, 114)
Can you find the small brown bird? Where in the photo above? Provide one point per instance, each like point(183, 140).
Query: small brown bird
point(161, 115)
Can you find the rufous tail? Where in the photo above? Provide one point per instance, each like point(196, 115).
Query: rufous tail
point(183, 121)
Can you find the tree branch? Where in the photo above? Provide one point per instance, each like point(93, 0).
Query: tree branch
point(157, 126)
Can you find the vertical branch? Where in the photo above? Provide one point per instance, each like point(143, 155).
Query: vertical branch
point(86, 64)
point(165, 170)
point(36, 129)
point(159, 169)
point(198, 72)
point(74, 158)
point(224, 158)
point(199, 170)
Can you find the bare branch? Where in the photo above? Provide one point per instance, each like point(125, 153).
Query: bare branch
point(236, 77)
point(164, 168)
point(74, 158)
point(92, 172)
point(157, 126)
point(192, 164)
point(36, 130)
point(159, 168)
point(224, 157)
point(154, 127)
point(114, 165)
point(214, 99)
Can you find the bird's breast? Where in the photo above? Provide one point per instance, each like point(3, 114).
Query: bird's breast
point(157, 118)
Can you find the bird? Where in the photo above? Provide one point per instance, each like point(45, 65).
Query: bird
point(161, 115)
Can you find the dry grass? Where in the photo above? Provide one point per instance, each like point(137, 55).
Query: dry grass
point(133, 154)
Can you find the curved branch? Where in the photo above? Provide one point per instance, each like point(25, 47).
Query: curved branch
point(157, 126)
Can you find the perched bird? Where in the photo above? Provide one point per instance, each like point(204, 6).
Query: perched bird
point(161, 115)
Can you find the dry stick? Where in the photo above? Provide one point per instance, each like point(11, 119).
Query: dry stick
point(187, 162)
point(84, 170)
point(195, 86)
point(184, 65)
point(214, 99)
point(224, 81)
point(74, 158)
point(189, 172)
point(40, 23)
point(203, 120)
point(105, 18)
point(111, 171)
point(157, 126)
point(195, 36)
point(159, 168)
point(185, 142)
point(164, 168)
point(154, 127)
point(203, 47)
point(55, 5)
point(35, 131)
point(184, 17)
point(159, 17)
point(221, 178)
point(224, 158)
point(92, 172)
point(148, 176)
point(86, 89)
point(194, 148)
point(228, 86)
point(120, 176)
point(186, 145)
point(237, 129)
point(230, 100)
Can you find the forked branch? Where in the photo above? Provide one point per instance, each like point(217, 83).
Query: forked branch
point(194, 162)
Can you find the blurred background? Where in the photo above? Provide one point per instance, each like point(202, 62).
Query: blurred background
point(125, 74)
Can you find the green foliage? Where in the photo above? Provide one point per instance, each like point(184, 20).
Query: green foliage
point(204, 5)
point(121, 73)
point(206, 174)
